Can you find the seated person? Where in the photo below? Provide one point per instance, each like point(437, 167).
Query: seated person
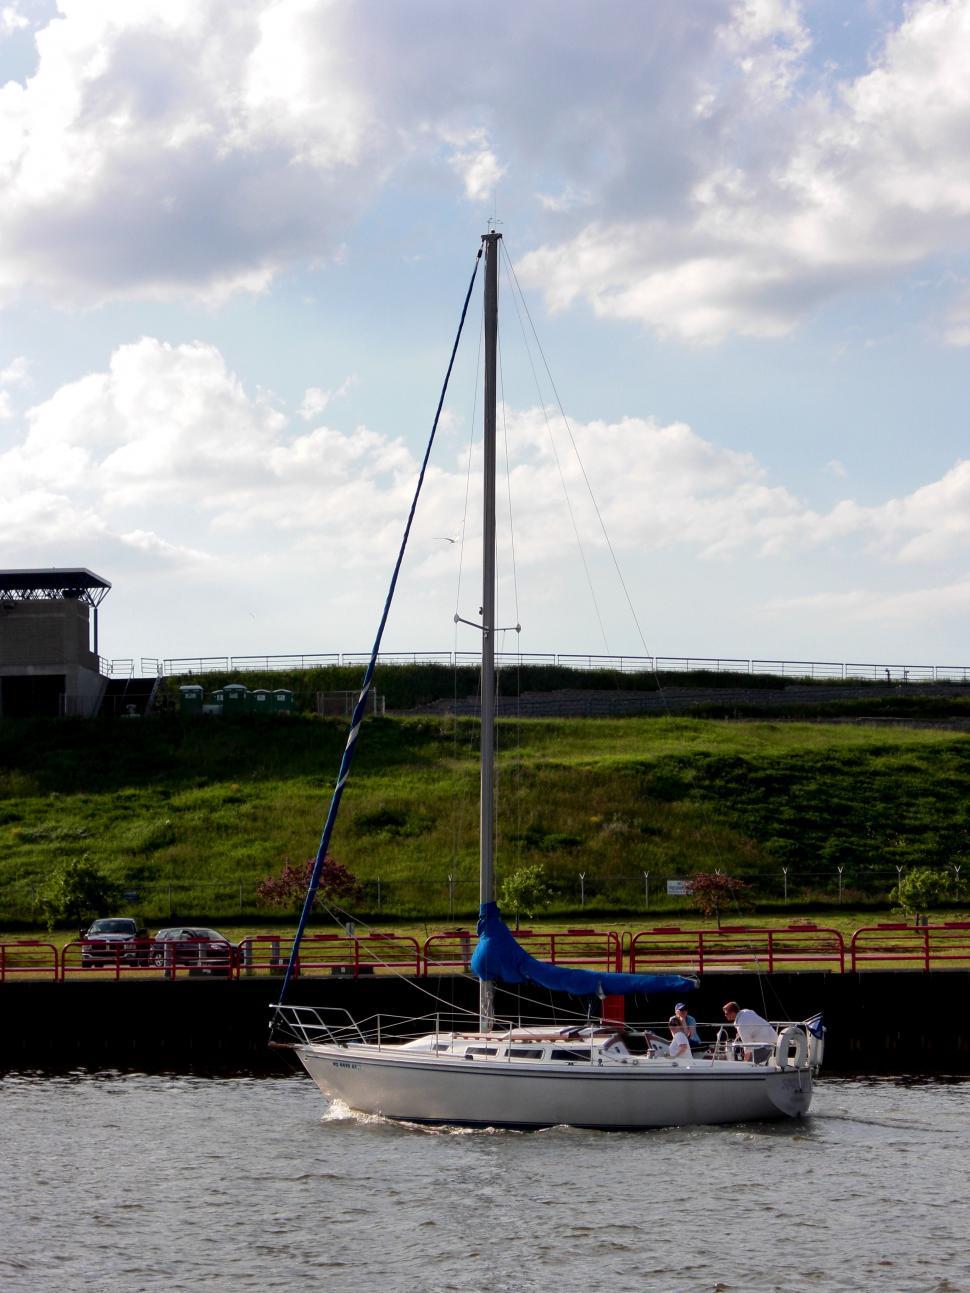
point(690, 1025)
point(679, 1048)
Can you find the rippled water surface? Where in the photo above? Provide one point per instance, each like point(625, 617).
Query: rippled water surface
point(135, 1182)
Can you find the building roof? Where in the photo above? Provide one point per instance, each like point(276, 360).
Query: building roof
point(77, 584)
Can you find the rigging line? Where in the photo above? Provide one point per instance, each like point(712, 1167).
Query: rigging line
point(508, 484)
point(516, 294)
point(516, 768)
point(358, 716)
point(462, 803)
point(340, 916)
point(582, 466)
point(468, 470)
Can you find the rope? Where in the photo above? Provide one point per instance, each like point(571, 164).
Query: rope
point(358, 716)
point(516, 295)
point(340, 916)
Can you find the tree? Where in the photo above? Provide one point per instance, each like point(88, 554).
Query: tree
point(924, 887)
point(711, 892)
point(288, 888)
point(525, 892)
point(76, 892)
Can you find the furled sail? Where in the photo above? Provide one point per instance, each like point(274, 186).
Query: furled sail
point(499, 958)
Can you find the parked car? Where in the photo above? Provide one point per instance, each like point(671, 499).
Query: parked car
point(198, 948)
point(112, 936)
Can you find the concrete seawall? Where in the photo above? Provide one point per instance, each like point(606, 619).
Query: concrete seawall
point(889, 1023)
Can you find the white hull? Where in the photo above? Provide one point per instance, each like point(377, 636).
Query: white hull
point(450, 1089)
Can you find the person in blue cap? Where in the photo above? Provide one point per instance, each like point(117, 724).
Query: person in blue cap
point(690, 1025)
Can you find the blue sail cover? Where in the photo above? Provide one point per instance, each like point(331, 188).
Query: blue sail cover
point(499, 957)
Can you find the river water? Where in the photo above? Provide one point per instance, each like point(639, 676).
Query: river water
point(131, 1182)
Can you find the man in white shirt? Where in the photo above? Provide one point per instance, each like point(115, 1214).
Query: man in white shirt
point(756, 1034)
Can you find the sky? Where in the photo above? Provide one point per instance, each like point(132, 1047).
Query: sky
point(235, 236)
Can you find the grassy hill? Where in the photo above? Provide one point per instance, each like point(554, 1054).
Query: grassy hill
point(191, 813)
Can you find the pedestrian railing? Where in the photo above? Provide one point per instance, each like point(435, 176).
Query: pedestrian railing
point(95, 957)
point(350, 954)
point(451, 949)
point(919, 946)
point(600, 949)
point(736, 947)
point(821, 669)
point(28, 957)
point(743, 948)
point(83, 956)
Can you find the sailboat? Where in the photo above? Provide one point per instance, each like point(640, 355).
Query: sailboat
point(503, 1073)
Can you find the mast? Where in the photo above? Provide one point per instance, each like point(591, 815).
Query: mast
point(487, 824)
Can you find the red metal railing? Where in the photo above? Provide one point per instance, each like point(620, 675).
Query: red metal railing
point(145, 956)
point(28, 957)
point(665, 948)
point(926, 944)
point(93, 956)
point(351, 954)
point(740, 947)
point(590, 948)
point(451, 949)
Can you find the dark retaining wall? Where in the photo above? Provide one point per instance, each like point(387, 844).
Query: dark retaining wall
point(893, 1022)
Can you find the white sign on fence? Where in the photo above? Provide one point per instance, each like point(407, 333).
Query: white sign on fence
point(677, 888)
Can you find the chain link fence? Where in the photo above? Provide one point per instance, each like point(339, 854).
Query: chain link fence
point(454, 897)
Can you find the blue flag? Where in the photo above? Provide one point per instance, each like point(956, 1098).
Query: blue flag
point(814, 1026)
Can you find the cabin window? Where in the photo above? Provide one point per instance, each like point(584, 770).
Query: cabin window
point(572, 1054)
point(482, 1050)
point(525, 1052)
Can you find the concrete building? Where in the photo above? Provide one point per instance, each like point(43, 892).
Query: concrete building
point(49, 664)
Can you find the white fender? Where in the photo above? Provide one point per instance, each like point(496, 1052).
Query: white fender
point(788, 1037)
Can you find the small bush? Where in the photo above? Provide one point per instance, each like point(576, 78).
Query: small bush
point(77, 891)
point(711, 892)
point(288, 888)
point(925, 887)
point(525, 892)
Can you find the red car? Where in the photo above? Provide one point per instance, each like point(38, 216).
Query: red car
point(194, 947)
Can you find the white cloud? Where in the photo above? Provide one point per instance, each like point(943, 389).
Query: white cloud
point(865, 606)
point(15, 372)
point(316, 400)
point(11, 19)
point(476, 164)
point(845, 188)
point(166, 454)
point(691, 167)
point(163, 466)
point(166, 442)
point(570, 199)
point(171, 148)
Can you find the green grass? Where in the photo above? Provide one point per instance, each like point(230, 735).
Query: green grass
point(191, 813)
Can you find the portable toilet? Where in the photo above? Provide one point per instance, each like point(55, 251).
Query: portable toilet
point(190, 699)
point(235, 698)
point(215, 703)
point(283, 700)
point(262, 700)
